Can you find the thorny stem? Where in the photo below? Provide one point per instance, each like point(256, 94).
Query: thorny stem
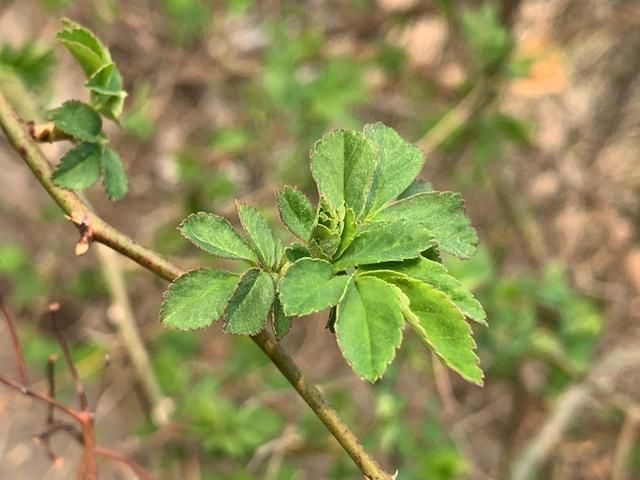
point(93, 228)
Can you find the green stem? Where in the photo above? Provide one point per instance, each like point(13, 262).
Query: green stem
point(93, 228)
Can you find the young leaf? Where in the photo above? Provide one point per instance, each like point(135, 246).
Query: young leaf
point(369, 326)
point(439, 323)
point(197, 298)
point(250, 304)
point(398, 164)
point(215, 235)
point(327, 231)
point(114, 176)
point(343, 164)
point(296, 212)
point(385, 241)
point(78, 120)
point(281, 322)
point(296, 251)
point(444, 216)
point(260, 234)
point(89, 52)
point(107, 95)
point(308, 286)
point(349, 231)
point(79, 168)
point(436, 275)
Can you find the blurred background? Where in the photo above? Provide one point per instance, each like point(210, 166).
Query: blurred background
point(530, 108)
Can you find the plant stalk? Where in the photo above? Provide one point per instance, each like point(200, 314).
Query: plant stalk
point(93, 228)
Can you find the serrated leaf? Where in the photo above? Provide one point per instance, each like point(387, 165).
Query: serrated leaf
point(78, 120)
point(369, 326)
point(281, 322)
point(296, 212)
point(114, 176)
point(250, 304)
point(111, 106)
point(260, 235)
point(440, 324)
point(398, 163)
point(197, 298)
point(343, 164)
point(79, 168)
point(215, 235)
point(308, 286)
point(444, 216)
point(87, 49)
point(436, 275)
point(384, 241)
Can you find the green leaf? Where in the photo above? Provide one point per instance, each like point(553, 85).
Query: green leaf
point(296, 251)
point(215, 235)
point(197, 298)
point(78, 120)
point(114, 176)
point(369, 326)
point(436, 275)
point(281, 322)
point(343, 164)
point(296, 212)
point(385, 241)
point(89, 52)
point(260, 235)
point(107, 95)
point(308, 286)
point(250, 304)
point(349, 231)
point(440, 324)
point(327, 232)
point(398, 164)
point(444, 216)
point(79, 168)
point(417, 186)
point(106, 81)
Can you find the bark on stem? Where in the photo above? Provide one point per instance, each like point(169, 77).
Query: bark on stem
point(93, 228)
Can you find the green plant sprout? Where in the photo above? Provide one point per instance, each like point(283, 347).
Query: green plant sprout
point(370, 252)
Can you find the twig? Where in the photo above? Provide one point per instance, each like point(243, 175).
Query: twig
point(102, 232)
point(113, 455)
point(125, 322)
point(624, 446)
point(17, 348)
point(570, 404)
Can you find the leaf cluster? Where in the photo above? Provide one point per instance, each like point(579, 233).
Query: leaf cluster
point(369, 251)
point(82, 122)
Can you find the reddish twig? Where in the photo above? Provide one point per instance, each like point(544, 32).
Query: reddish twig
point(22, 368)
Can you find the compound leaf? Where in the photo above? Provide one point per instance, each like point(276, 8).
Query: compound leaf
point(398, 164)
point(296, 212)
point(308, 286)
point(343, 164)
point(215, 235)
point(444, 216)
point(79, 168)
point(197, 298)
point(114, 176)
point(78, 120)
point(250, 303)
point(268, 248)
point(385, 241)
point(369, 326)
